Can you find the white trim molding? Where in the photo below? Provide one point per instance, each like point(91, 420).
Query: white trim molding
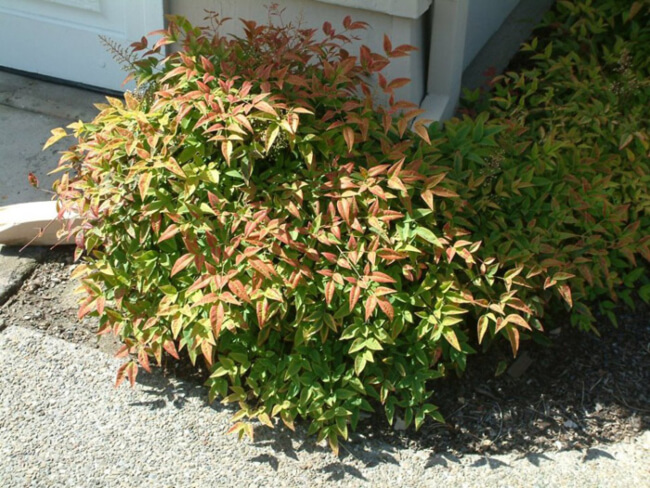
point(410, 9)
point(448, 34)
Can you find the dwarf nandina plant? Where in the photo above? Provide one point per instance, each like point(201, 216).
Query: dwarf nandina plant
point(255, 207)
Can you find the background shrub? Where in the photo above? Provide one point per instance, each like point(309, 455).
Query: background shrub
point(252, 205)
point(575, 159)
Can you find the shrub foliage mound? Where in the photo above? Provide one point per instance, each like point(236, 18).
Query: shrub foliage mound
point(252, 205)
point(579, 112)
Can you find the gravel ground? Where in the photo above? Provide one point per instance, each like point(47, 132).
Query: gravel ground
point(61, 425)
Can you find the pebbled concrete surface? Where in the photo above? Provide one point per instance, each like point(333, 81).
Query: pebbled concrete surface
point(63, 424)
point(29, 110)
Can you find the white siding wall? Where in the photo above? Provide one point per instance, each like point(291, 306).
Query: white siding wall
point(484, 17)
point(401, 30)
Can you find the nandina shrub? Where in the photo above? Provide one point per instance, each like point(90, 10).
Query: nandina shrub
point(573, 172)
point(253, 206)
point(563, 189)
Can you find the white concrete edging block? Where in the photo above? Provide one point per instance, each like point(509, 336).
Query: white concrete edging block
point(32, 223)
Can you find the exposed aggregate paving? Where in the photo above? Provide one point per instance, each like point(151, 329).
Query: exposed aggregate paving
point(63, 424)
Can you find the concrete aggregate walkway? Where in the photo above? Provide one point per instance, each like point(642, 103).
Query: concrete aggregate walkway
point(63, 424)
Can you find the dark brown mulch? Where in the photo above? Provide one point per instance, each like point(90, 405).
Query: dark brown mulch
point(579, 392)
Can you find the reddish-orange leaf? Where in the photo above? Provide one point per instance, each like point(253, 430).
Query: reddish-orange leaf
point(170, 232)
point(174, 167)
point(206, 350)
point(420, 129)
point(348, 135)
point(330, 288)
point(143, 184)
point(390, 255)
point(365, 54)
point(387, 308)
point(121, 374)
point(370, 305)
point(382, 81)
point(338, 278)
point(443, 192)
point(388, 46)
point(517, 304)
point(518, 320)
point(434, 180)
point(377, 190)
point(101, 303)
point(143, 359)
point(200, 283)
point(262, 308)
point(343, 206)
point(132, 372)
point(380, 277)
point(513, 336)
point(238, 288)
point(358, 25)
point(229, 298)
point(123, 352)
point(402, 50)
point(398, 83)
point(265, 107)
point(355, 293)
point(396, 184)
point(383, 290)
point(501, 323)
point(169, 346)
point(262, 267)
point(182, 263)
point(450, 252)
point(565, 291)
point(378, 170)
point(216, 319)
point(86, 307)
point(548, 282)
point(209, 298)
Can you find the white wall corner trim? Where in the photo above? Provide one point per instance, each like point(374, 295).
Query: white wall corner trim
point(448, 34)
point(410, 9)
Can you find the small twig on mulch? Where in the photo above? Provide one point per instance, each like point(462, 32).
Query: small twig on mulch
point(620, 398)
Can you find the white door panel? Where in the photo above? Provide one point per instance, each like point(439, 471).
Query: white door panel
point(59, 38)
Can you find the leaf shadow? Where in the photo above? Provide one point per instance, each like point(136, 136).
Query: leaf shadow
point(267, 459)
point(492, 462)
point(535, 458)
point(442, 460)
point(338, 471)
point(592, 454)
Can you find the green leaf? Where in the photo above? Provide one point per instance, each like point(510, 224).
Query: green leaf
point(644, 293)
point(57, 135)
point(428, 236)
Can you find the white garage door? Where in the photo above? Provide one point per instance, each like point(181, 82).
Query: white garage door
point(59, 38)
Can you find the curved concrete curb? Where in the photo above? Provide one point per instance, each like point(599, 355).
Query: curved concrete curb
point(16, 267)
